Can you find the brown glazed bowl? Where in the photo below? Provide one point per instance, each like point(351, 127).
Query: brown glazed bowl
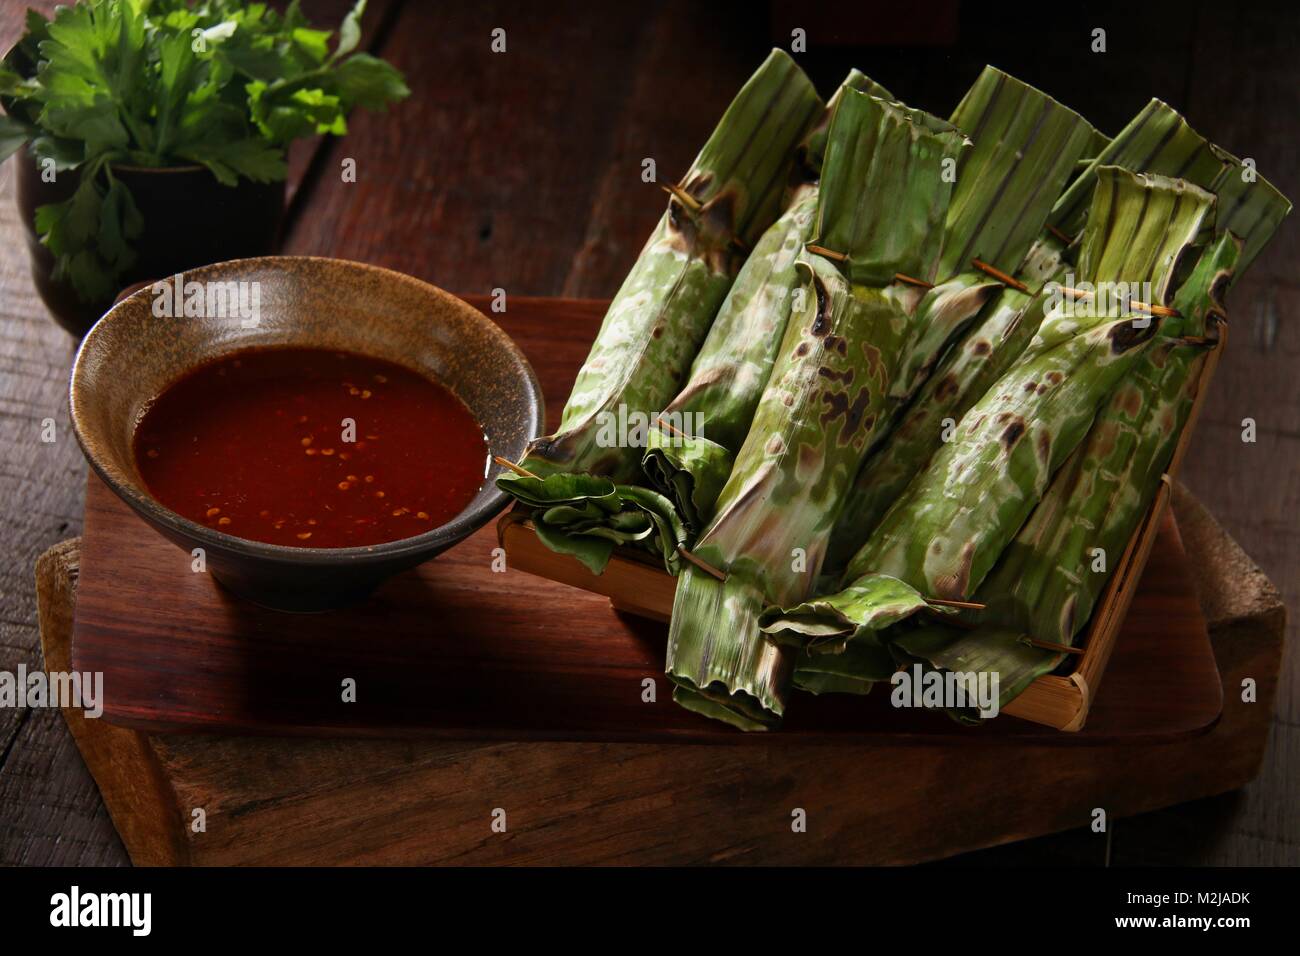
point(131, 356)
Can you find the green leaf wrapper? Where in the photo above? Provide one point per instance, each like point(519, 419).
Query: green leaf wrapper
point(662, 312)
point(883, 195)
point(732, 367)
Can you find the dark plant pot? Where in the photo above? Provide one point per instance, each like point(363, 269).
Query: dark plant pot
point(190, 220)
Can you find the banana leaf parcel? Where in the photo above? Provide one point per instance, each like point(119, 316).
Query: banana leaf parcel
point(882, 204)
point(1050, 578)
point(1025, 149)
point(1047, 581)
point(656, 322)
point(1158, 140)
point(945, 533)
point(689, 457)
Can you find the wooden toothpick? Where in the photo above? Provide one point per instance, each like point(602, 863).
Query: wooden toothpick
point(517, 469)
point(683, 197)
point(945, 602)
point(1059, 648)
point(1001, 276)
point(706, 568)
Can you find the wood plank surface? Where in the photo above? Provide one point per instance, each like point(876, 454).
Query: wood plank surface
point(307, 801)
point(1235, 75)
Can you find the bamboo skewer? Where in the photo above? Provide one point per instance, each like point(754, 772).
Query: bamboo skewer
point(671, 427)
point(827, 253)
point(1001, 276)
point(1059, 648)
point(843, 257)
point(920, 283)
point(703, 566)
point(1059, 235)
point(1161, 310)
point(517, 469)
point(683, 197)
point(946, 602)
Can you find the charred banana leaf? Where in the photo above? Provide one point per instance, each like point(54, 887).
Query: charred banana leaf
point(1158, 140)
point(689, 457)
point(956, 518)
point(1025, 149)
point(1052, 575)
point(659, 317)
point(882, 204)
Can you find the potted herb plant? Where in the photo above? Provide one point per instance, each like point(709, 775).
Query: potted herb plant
point(156, 131)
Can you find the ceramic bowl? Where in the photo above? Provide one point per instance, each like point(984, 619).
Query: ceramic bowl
point(132, 355)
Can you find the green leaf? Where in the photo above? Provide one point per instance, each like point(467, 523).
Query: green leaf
point(66, 153)
point(97, 124)
point(365, 81)
point(350, 30)
point(255, 57)
point(315, 43)
point(74, 46)
point(92, 280)
point(556, 489)
point(12, 135)
point(252, 158)
point(593, 552)
point(321, 108)
point(119, 222)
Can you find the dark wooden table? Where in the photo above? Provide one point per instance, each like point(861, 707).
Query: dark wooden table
point(522, 171)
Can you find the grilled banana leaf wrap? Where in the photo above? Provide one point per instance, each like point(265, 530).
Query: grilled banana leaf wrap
point(999, 335)
point(1025, 150)
point(656, 322)
point(1050, 578)
point(689, 456)
point(665, 306)
point(1158, 140)
point(881, 210)
point(955, 519)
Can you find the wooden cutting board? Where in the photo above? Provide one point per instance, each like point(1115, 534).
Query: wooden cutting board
point(456, 649)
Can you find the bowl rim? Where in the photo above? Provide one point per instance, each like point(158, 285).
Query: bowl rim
point(471, 519)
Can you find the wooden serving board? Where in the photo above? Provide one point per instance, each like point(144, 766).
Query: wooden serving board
point(456, 649)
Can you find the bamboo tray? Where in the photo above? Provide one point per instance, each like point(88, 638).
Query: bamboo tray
point(636, 584)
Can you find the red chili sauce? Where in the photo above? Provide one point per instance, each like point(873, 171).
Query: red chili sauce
point(255, 445)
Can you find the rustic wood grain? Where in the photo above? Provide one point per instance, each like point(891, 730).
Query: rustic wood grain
point(419, 802)
point(542, 176)
point(1244, 93)
point(49, 811)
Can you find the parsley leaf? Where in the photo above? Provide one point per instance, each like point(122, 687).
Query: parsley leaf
point(222, 83)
